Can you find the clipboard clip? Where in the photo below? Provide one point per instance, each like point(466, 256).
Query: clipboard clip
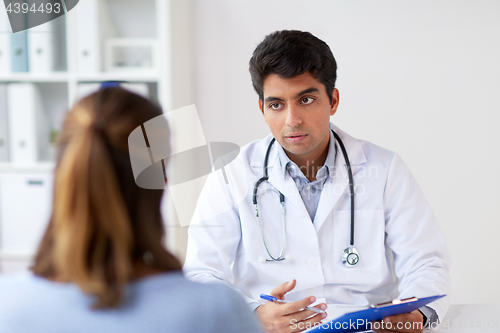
point(394, 302)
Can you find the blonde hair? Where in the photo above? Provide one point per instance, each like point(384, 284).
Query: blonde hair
point(102, 222)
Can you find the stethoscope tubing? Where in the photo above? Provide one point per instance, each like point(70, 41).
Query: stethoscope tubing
point(351, 184)
point(282, 198)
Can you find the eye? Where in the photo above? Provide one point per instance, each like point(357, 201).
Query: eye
point(275, 106)
point(307, 100)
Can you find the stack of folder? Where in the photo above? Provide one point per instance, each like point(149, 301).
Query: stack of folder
point(93, 26)
point(24, 128)
point(4, 128)
point(40, 49)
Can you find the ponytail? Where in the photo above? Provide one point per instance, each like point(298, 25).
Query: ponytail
point(102, 223)
point(94, 235)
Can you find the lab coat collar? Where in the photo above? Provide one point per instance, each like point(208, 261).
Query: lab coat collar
point(285, 185)
point(336, 188)
point(332, 190)
point(353, 147)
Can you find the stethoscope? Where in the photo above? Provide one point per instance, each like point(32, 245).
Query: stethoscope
point(350, 256)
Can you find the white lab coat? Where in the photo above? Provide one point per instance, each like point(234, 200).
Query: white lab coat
point(402, 249)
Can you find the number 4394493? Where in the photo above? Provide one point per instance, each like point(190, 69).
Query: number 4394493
point(34, 8)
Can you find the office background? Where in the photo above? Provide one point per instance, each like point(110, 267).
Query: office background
point(417, 77)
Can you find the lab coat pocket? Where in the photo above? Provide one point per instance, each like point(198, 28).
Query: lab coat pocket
point(369, 237)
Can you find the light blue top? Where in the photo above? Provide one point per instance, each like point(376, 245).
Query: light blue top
point(310, 192)
point(160, 303)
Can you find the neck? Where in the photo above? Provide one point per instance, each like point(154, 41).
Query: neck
point(311, 163)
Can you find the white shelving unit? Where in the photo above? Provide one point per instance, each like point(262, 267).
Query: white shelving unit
point(148, 19)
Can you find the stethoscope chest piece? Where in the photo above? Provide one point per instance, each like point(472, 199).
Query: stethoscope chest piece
point(350, 257)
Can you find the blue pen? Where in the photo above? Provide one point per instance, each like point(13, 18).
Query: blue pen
point(274, 299)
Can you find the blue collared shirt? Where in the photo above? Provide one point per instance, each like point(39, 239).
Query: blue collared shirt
point(309, 191)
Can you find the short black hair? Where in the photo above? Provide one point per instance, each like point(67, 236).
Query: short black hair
point(289, 53)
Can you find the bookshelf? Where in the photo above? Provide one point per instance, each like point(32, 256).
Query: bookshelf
point(114, 23)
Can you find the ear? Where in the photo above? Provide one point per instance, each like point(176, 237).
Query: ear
point(260, 106)
point(335, 101)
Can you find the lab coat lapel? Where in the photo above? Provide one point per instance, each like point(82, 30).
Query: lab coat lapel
point(332, 190)
point(286, 186)
point(337, 186)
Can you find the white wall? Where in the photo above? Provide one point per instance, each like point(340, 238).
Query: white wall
point(418, 77)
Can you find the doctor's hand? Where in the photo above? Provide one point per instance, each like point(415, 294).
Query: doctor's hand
point(412, 322)
point(279, 317)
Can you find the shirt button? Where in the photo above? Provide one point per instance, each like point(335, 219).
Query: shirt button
point(312, 262)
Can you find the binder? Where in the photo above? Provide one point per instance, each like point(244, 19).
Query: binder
point(359, 321)
point(4, 134)
point(19, 46)
point(5, 33)
point(28, 130)
point(41, 48)
point(93, 26)
point(19, 51)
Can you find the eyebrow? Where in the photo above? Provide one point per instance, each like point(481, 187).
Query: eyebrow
point(306, 91)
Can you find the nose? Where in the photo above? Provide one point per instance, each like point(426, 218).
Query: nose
point(293, 118)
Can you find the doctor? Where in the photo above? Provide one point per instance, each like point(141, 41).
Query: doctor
point(301, 240)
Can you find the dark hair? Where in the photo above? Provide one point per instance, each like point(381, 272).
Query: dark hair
point(102, 223)
point(289, 53)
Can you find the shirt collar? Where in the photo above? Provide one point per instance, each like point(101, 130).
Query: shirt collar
point(329, 162)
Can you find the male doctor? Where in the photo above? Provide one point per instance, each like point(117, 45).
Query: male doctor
point(295, 244)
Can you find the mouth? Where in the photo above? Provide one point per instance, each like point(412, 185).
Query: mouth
point(295, 137)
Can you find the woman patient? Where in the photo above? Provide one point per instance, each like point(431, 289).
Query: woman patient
point(101, 265)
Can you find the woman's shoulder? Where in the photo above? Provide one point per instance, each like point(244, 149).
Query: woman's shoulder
point(184, 292)
point(165, 300)
point(23, 291)
point(20, 283)
point(214, 306)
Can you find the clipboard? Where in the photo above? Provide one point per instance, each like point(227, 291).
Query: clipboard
point(359, 321)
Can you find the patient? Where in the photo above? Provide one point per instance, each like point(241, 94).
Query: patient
point(101, 265)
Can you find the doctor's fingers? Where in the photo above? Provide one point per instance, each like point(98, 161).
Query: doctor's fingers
point(299, 305)
point(280, 291)
point(305, 314)
point(288, 311)
point(293, 307)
